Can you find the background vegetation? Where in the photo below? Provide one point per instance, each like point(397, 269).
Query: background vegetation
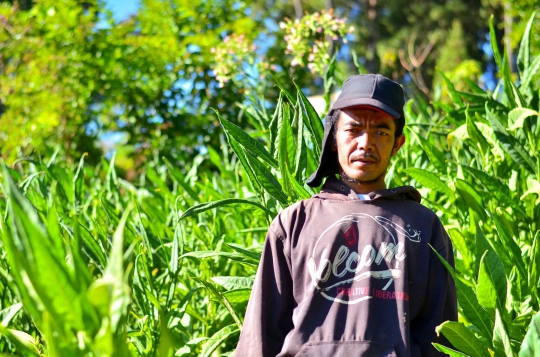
point(148, 246)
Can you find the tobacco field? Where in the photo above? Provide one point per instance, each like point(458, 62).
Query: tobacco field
point(162, 265)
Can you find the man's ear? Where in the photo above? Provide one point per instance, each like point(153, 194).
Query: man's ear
point(398, 143)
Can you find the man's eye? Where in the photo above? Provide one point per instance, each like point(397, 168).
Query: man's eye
point(382, 133)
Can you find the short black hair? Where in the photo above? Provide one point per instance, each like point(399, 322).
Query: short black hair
point(334, 118)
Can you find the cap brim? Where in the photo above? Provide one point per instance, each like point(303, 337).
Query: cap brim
point(366, 102)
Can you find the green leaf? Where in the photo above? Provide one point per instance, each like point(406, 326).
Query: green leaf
point(491, 282)
point(452, 90)
point(114, 275)
point(237, 296)
point(510, 145)
point(266, 179)
point(233, 282)
point(222, 299)
point(517, 116)
point(286, 147)
point(469, 303)
point(495, 187)
point(287, 93)
point(248, 254)
point(530, 72)
point(462, 338)
point(242, 156)
point(471, 197)
point(22, 341)
point(431, 181)
point(312, 121)
point(298, 188)
point(179, 178)
point(300, 161)
point(218, 338)
point(215, 204)
point(510, 246)
point(212, 254)
point(501, 340)
point(534, 265)
point(450, 352)
point(523, 59)
point(475, 135)
point(249, 143)
point(531, 344)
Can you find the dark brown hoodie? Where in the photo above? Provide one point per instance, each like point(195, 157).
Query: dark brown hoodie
point(340, 276)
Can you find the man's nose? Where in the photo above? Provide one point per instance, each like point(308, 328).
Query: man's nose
point(364, 141)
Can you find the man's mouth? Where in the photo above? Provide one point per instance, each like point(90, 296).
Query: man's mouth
point(366, 159)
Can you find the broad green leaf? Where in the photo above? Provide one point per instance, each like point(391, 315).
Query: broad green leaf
point(524, 54)
point(468, 302)
point(533, 188)
point(491, 282)
point(534, 265)
point(300, 161)
point(501, 340)
point(462, 338)
point(212, 254)
point(242, 156)
point(530, 72)
point(22, 341)
point(266, 179)
point(114, 276)
point(511, 246)
point(531, 344)
point(249, 143)
point(312, 121)
point(288, 94)
point(218, 338)
point(299, 190)
point(482, 246)
point(237, 296)
point(450, 352)
point(286, 147)
point(215, 204)
point(248, 254)
point(471, 197)
point(48, 279)
point(9, 313)
point(179, 178)
point(475, 135)
point(494, 44)
point(510, 144)
point(452, 90)
point(223, 300)
point(233, 282)
point(494, 186)
point(516, 117)
point(430, 180)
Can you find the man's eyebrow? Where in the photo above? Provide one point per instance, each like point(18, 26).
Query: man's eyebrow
point(382, 126)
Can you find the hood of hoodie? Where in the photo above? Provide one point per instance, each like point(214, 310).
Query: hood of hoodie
point(334, 189)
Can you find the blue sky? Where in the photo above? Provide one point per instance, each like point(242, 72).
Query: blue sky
point(122, 8)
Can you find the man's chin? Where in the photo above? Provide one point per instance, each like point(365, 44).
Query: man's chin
point(363, 178)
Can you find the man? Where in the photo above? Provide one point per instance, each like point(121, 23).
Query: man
point(351, 272)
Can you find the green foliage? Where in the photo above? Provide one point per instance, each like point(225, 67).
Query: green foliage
point(163, 265)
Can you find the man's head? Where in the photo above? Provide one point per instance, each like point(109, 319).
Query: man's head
point(362, 131)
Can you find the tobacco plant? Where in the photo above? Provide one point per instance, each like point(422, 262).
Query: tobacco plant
point(94, 265)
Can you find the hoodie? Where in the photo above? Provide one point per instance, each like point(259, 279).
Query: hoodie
point(340, 276)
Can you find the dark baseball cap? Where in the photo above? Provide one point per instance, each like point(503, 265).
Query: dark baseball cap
point(364, 90)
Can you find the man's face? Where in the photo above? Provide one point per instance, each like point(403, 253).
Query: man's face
point(365, 142)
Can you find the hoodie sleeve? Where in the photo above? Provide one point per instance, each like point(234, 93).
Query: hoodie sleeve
point(440, 303)
point(268, 317)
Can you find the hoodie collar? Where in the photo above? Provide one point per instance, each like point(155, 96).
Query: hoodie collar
point(338, 190)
